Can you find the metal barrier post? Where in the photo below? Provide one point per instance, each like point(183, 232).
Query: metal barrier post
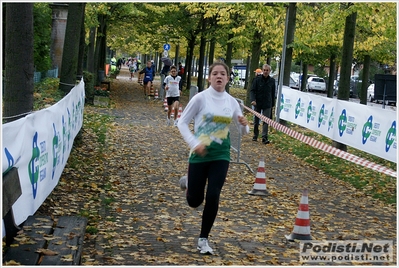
point(235, 139)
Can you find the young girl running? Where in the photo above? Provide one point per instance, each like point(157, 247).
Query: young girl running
point(212, 110)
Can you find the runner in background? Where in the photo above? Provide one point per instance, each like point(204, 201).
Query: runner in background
point(164, 73)
point(132, 69)
point(149, 74)
point(173, 87)
point(181, 70)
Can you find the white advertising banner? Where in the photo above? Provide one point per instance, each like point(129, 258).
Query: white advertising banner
point(39, 145)
point(367, 128)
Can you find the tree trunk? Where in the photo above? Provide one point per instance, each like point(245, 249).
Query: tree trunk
point(290, 39)
point(202, 57)
point(104, 51)
point(347, 57)
point(82, 45)
point(255, 51)
point(330, 88)
point(229, 53)
point(365, 80)
point(4, 19)
point(99, 55)
point(212, 51)
point(70, 53)
point(18, 92)
point(248, 62)
point(90, 50)
point(304, 78)
point(346, 65)
point(177, 55)
point(189, 60)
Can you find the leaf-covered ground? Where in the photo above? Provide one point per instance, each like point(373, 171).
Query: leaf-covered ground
point(123, 175)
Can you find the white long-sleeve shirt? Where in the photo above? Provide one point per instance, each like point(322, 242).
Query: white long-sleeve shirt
point(212, 112)
point(174, 86)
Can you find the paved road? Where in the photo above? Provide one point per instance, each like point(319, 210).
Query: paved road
point(150, 223)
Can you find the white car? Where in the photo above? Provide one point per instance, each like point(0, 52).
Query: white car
point(316, 84)
point(370, 93)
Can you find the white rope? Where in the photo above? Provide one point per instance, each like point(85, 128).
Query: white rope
point(18, 115)
point(72, 85)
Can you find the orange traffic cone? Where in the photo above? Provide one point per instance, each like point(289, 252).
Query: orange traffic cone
point(140, 79)
point(302, 222)
point(180, 111)
point(260, 180)
point(152, 93)
point(165, 105)
point(156, 94)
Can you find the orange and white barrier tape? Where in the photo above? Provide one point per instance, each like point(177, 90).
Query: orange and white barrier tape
point(324, 147)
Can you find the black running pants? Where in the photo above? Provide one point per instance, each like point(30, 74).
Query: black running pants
point(198, 174)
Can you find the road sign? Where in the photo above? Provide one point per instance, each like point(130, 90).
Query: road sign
point(166, 46)
point(165, 53)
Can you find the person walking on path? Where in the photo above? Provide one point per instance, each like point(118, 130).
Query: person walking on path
point(257, 72)
point(149, 74)
point(173, 87)
point(181, 70)
point(263, 93)
point(212, 110)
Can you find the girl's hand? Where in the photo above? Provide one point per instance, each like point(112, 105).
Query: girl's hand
point(200, 150)
point(242, 120)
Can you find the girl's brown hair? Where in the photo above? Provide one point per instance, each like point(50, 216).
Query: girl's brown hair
point(219, 63)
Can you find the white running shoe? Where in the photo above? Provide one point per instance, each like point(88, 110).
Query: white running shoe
point(203, 246)
point(176, 121)
point(183, 183)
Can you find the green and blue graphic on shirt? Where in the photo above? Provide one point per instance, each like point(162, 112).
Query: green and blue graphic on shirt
point(214, 134)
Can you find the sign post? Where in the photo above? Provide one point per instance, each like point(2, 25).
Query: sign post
point(166, 47)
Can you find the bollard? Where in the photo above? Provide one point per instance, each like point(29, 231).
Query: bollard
point(193, 91)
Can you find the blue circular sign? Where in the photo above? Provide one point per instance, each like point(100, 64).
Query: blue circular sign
point(166, 46)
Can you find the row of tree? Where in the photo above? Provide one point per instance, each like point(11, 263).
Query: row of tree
point(324, 34)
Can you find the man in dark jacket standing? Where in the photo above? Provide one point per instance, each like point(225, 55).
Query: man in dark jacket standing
point(263, 93)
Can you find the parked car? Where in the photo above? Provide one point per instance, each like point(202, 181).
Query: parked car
point(336, 85)
point(370, 93)
point(294, 80)
point(316, 84)
point(293, 83)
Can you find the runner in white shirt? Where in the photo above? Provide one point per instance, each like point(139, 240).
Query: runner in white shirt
point(173, 87)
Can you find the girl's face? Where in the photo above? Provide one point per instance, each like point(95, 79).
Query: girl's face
point(218, 78)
